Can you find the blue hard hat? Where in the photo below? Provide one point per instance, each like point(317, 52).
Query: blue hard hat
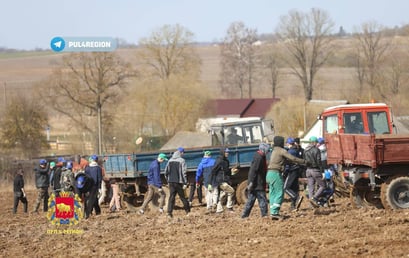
point(43, 161)
point(290, 140)
point(181, 149)
point(94, 157)
point(328, 174)
point(321, 140)
point(80, 181)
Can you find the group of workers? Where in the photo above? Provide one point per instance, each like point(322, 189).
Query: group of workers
point(280, 173)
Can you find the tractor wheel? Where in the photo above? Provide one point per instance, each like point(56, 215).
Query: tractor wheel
point(395, 193)
point(361, 195)
point(241, 193)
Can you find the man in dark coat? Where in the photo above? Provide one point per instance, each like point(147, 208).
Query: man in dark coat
point(94, 171)
point(256, 182)
point(42, 181)
point(19, 193)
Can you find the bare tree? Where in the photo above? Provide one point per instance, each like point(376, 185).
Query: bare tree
point(171, 68)
point(23, 127)
point(238, 59)
point(270, 62)
point(372, 48)
point(83, 85)
point(307, 38)
point(169, 51)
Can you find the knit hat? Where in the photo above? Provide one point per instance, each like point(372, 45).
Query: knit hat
point(207, 153)
point(278, 141)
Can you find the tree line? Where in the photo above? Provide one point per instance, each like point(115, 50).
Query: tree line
point(115, 102)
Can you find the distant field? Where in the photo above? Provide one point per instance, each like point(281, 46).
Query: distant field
point(7, 55)
point(22, 70)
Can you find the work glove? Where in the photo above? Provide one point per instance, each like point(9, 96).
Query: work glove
point(250, 187)
point(24, 195)
point(197, 185)
point(99, 193)
point(209, 187)
point(234, 170)
point(184, 187)
point(160, 190)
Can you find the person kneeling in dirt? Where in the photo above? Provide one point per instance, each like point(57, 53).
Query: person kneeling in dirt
point(155, 184)
point(256, 182)
point(274, 178)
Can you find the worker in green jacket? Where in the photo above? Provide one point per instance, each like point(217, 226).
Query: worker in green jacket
point(279, 157)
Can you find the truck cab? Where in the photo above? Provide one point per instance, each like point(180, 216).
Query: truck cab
point(357, 119)
point(241, 132)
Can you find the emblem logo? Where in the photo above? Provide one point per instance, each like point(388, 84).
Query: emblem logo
point(65, 209)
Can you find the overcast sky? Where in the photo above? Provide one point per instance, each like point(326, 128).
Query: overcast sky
point(26, 24)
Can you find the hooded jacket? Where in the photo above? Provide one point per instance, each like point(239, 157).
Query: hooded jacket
point(204, 170)
point(221, 172)
point(257, 172)
point(94, 171)
point(41, 176)
point(175, 170)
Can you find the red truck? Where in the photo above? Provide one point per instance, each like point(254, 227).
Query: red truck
point(373, 160)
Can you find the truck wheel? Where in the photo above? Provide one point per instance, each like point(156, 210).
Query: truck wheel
point(395, 194)
point(361, 195)
point(241, 193)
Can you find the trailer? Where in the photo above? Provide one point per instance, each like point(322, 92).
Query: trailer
point(131, 169)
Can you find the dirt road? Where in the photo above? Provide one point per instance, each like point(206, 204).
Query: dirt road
point(337, 231)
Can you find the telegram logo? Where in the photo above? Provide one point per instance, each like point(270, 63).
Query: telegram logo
point(57, 44)
point(83, 44)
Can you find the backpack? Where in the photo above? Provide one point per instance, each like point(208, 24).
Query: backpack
point(67, 180)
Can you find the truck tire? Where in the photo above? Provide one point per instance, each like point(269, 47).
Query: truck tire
point(361, 195)
point(241, 193)
point(395, 193)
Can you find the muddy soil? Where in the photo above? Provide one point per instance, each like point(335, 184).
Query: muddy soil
point(336, 231)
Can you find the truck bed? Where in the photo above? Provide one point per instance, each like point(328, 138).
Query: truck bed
point(369, 150)
point(137, 164)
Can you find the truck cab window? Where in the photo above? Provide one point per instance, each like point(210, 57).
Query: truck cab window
point(331, 124)
point(353, 123)
point(378, 123)
point(234, 135)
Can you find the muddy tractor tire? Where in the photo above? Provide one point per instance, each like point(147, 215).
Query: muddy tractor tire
point(241, 193)
point(361, 195)
point(395, 193)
